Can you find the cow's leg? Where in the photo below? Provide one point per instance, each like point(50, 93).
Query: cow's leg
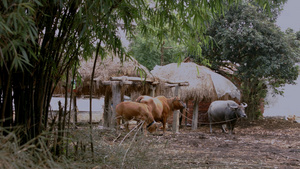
point(127, 125)
point(138, 123)
point(145, 128)
point(164, 125)
point(119, 122)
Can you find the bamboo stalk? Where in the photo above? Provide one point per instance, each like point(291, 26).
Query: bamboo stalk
point(91, 90)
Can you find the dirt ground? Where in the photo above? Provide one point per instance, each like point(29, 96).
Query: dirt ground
point(265, 143)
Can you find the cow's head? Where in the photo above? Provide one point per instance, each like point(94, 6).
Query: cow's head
point(178, 104)
point(239, 110)
point(153, 126)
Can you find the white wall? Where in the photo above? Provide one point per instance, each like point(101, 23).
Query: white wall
point(289, 104)
point(83, 105)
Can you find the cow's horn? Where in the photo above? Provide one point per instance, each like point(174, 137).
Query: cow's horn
point(244, 104)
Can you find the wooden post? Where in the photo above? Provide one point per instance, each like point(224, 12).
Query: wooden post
point(176, 114)
point(186, 112)
point(116, 99)
point(152, 87)
point(195, 115)
point(107, 109)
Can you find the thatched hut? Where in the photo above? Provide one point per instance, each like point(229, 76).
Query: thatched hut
point(111, 67)
point(204, 87)
point(113, 79)
point(204, 84)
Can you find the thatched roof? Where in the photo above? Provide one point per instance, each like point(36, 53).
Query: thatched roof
point(204, 84)
point(109, 67)
point(112, 66)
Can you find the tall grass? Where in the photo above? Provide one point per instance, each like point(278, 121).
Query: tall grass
point(33, 154)
point(111, 150)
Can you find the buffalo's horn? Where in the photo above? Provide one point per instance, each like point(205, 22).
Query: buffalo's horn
point(232, 106)
point(244, 104)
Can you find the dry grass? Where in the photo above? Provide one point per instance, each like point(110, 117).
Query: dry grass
point(267, 143)
point(112, 150)
point(33, 154)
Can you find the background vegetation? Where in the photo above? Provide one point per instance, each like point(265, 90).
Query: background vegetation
point(42, 41)
point(246, 41)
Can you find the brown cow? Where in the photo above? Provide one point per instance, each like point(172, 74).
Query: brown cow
point(162, 107)
point(136, 111)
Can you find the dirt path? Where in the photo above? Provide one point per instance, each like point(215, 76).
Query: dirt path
point(270, 143)
point(266, 143)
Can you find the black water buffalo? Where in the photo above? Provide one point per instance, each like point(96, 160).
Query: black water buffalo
point(225, 112)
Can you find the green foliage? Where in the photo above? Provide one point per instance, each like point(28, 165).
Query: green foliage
point(18, 34)
point(148, 51)
point(258, 47)
point(245, 38)
point(293, 39)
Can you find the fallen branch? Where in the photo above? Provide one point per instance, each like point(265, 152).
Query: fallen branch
point(132, 141)
point(140, 124)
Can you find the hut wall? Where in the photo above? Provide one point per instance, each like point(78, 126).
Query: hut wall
point(202, 110)
point(202, 117)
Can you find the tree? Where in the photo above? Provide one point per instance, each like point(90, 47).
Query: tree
point(293, 39)
point(246, 39)
point(148, 51)
point(41, 40)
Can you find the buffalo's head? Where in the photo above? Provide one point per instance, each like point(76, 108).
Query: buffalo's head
point(239, 109)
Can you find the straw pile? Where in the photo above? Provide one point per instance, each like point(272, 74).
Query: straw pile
point(204, 84)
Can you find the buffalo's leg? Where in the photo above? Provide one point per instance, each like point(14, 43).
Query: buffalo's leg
point(230, 127)
point(223, 127)
point(210, 123)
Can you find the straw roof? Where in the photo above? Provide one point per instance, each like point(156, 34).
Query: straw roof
point(204, 84)
point(112, 66)
point(109, 67)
